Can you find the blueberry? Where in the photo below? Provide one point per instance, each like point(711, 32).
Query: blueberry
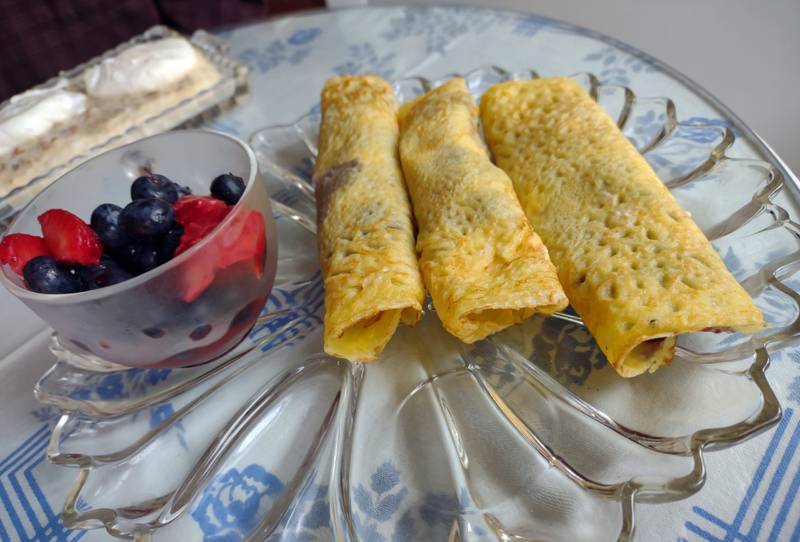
point(140, 256)
point(248, 313)
point(105, 223)
point(147, 217)
point(46, 275)
point(106, 273)
point(154, 332)
point(200, 332)
point(228, 187)
point(155, 186)
point(170, 242)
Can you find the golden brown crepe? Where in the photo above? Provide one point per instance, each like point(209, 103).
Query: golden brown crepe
point(482, 263)
point(634, 265)
point(364, 225)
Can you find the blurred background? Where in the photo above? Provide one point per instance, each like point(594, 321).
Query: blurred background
point(744, 52)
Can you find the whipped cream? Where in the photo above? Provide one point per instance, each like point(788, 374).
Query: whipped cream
point(142, 68)
point(33, 113)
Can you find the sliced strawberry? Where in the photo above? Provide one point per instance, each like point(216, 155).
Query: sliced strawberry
point(69, 238)
point(259, 231)
point(202, 209)
point(17, 249)
point(244, 239)
point(197, 275)
point(192, 233)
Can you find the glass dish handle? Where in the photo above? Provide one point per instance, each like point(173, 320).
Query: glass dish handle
point(208, 40)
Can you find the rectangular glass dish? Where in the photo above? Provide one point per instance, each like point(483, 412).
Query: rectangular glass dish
point(231, 88)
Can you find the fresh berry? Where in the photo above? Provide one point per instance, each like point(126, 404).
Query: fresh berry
point(154, 332)
point(69, 239)
point(228, 187)
point(196, 276)
point(249, 313)
point(171, 241)
point(105, 223)
point(155, 186)
point(46, 275)
point(147, 217)
point(198, 215)
point(200, 209)
point(17, 249)
point(192, 234)
point(200, 332)
point(106, 273)
point(244, 239)
point(139, 257)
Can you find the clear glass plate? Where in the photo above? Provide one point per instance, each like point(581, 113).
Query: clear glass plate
point(528, 435)
point(231, 88)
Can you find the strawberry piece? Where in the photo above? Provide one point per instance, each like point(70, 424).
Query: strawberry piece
point(196, 276)
point(70, 239)
point(17, 249)
point(200, 209)
point(192, 233)
point(259, 232)
point(244, 239)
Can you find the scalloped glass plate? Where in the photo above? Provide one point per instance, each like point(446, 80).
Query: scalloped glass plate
point(526, 435)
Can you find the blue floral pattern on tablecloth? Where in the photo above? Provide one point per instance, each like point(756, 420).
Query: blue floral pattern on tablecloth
point(292, 51)
point(232, 504)
point(385, 507)
point(439, 26)
point(615, 67)
point(364, 58)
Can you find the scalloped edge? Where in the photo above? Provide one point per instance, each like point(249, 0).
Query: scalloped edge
point(630, 492)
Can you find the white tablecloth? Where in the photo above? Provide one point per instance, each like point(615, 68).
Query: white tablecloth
point(751, 489)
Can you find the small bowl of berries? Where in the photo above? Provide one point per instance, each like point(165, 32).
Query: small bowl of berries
point(159, 253)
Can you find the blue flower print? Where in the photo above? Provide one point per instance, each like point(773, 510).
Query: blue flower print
point(305, 304)
point(378, 503)
point(440, 25)
point(318, 516)
point(384, 503)
point(529, 25)
point(291, 51)
point(154, 376)
point(707, 135)
point(111, 387)
point(363, 58)
point(304, 36)
point(439, 509)
point(80, 393)
point(159, 413)
point(405, 531)
point(230, 505)
point(794, 390)
point(614, 66)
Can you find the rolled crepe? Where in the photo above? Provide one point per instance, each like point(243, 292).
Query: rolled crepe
point(364, 225)
point(634, 265)
point(482, 263)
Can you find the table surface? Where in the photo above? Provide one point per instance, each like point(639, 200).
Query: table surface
point(750, 490)
point(745, 56)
